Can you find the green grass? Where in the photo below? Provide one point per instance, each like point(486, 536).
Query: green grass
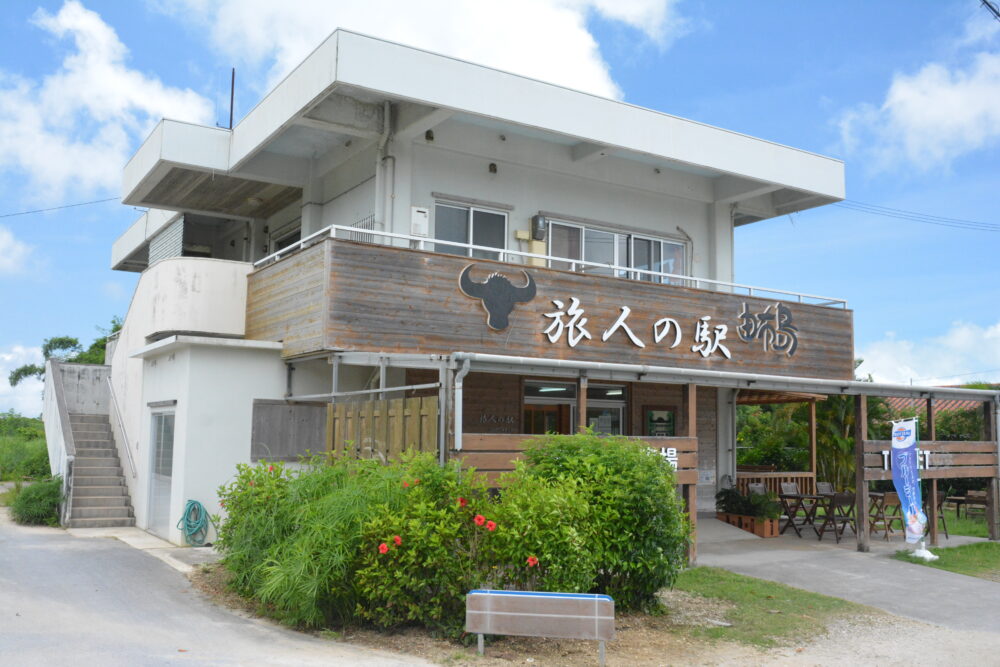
point(977, 560)
point(7, 496)
point(974, 527)
point(765, 613)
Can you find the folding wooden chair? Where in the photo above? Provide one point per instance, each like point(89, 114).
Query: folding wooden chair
point(885, 512)
point(824, 488)
point(756, 488)
point(840, 515)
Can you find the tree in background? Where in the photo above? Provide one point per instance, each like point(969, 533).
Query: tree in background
point(68, 349)
point(777, 435)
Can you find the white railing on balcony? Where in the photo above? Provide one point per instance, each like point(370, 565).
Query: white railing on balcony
point(517, 256)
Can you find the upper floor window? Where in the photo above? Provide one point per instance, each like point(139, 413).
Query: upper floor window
point(577, 242)
point(471, 225)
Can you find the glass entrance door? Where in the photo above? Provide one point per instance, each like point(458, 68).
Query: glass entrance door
point(605, 420)
point(161, 473)
point(541, 419)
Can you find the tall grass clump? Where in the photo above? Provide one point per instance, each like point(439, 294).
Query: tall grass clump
point(38, 504)
point(22, 447)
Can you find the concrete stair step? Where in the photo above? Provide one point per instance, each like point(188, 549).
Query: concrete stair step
point(101, 512)
point(99, 501)
point(92, 444)
point(91, 433)
point(94, 461)
point(94, 490)
point(91, 452)
point(97, 480)
point(101, 523)
point(88, 419)
point(97, 471)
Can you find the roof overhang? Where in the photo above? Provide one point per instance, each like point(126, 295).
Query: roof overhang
point(496, 363)
point(331, 107)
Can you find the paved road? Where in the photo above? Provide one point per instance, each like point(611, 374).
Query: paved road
point(876, 579)
point(72, 601)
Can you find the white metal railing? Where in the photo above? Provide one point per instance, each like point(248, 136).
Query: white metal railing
point(552, 261)
point(121, 427)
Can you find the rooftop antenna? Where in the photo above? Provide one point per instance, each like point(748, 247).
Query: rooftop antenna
point(232, 95)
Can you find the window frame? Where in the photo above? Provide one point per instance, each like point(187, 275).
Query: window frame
point(628, 261)
point(471, 210)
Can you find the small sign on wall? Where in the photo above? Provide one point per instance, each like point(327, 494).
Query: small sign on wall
point(706, 477)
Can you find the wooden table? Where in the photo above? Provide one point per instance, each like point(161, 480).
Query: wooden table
point(792, 504)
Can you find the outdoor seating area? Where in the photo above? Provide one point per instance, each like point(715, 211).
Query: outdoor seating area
point(828, 510)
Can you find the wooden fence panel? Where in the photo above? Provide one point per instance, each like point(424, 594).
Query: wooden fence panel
point(943, 460)
point(282, 431)
point(382, 429)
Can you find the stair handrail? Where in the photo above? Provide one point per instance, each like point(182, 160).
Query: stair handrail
point(68, 440)
point(121, 427)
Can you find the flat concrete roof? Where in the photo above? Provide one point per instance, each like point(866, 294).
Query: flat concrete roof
point(369, 71)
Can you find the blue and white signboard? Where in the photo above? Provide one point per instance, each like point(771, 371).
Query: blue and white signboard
point(906, 478)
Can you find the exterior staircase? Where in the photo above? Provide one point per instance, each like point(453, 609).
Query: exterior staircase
point(99, 498)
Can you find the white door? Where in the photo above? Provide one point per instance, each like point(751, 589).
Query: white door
point(161, 473)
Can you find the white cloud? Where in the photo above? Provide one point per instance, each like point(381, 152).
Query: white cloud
point(959, 355)
point(935, 115)
point(26, 397)
point(13, 253)
point(72, 130)
point(545, 39)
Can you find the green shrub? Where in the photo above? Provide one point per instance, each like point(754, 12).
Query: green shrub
point(308, 578)
point(38, 503)
point(419, 559)
point(763, 506)
point(542, 536)
point(256, 519)
point(638, 530)
point(22, 457)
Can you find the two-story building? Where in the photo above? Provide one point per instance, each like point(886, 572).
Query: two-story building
point(396, 248)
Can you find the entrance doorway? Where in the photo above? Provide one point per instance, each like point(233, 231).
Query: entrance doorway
point(161, 473)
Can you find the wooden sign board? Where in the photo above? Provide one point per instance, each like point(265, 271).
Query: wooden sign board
point(937, 459)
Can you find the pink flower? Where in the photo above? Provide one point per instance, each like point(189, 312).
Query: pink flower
point(532, 561)
point(383, 548)
point(222, 503)
point(270, 468)
point(491, 526)
point(462, 502)
point(397, 539)
point(479, 519)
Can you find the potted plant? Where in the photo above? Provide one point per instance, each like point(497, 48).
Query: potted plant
point(756, 513)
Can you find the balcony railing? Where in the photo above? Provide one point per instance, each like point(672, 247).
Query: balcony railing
point(392, 239)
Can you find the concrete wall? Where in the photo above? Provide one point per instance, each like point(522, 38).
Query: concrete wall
point(214, 387)
point(176, 294)
point(85, 388)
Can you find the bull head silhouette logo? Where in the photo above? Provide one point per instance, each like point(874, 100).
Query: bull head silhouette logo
point(497, 294)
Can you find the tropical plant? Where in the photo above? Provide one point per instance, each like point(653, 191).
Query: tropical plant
point(759, 505)
point(68, 349)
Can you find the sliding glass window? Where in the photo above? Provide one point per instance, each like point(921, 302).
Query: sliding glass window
point(470, 225)
point(576, 242)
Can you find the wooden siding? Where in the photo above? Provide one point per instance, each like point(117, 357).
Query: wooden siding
point(286, 302)
point(383, 299)
point(494, 454)
point(283, 431)
point(382, 429)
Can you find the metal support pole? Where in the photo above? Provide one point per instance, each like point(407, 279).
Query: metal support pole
point(381, 377)
point(289, 369)
point(479, 644)
point(442, 413)
point(334, 374)
point(581, 403)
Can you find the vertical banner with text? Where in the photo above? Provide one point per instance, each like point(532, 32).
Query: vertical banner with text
point(906, 477)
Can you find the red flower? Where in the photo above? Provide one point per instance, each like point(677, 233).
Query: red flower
point(479, 519)
point(406, 484)
point(532, 561)
point(383, 548)
point(416, 481)
point(270, 468)
point(397, 539)
point(462, 502)
point(251, 482)
point(491, 526)
point(222, 503)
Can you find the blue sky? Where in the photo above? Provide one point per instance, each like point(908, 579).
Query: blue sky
point(907, 94)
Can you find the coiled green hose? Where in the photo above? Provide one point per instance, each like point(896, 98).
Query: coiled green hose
point(194, 523)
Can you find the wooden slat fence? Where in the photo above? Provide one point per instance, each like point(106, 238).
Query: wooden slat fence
point(947, 459)
point(494, 453)
point(772, 481)
point(282, 431)
point(382, 429)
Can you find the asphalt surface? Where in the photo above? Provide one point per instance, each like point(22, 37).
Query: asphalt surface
point(68, 600)
point(876, 579)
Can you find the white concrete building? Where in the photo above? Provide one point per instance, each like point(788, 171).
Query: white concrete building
point(373, 147)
